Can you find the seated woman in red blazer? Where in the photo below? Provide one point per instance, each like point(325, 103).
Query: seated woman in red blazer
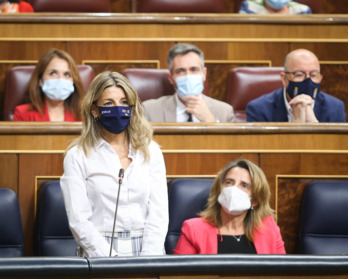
point(238, 217)
point(55, 90)
point(15, 6)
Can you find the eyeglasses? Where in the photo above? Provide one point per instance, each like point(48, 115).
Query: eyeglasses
point(301, 76)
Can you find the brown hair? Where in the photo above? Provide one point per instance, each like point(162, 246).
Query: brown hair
point(36, 96)
point(260, 195)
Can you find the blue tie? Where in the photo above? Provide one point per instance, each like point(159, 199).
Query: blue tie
point(189, 119)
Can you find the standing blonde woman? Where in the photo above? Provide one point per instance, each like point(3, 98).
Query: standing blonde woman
point(115, 136)
point(238, 218)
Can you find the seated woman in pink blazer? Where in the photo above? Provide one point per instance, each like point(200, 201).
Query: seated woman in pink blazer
point(238, 217)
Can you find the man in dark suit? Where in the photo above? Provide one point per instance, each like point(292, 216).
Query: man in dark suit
point(300, 100)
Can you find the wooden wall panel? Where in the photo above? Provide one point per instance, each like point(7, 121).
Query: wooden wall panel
point(125, 38)
point(9, 171)
point(217, 71)
point(334, 7)
point(335, 81)
point(329, 6)
point(201, 163)
point(287, 174)
point(120, 66)
point(35, 151)
point(121, 6)
point(31, 166)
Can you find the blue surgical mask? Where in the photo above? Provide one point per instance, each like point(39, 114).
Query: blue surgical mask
point(189, 85)
point(277, 4)
point(58, 89)
point(307, 87)
point(114, 119)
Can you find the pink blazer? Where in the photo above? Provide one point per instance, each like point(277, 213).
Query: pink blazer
point(199, 237)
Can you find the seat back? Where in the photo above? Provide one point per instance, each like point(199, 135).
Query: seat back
point(315, 5)
point(149, 83)
point(187, 197)
point(82, 6)
point(323, 220)
point(247, 83)
point(180, 6)
point(52, 234)
point(11, 231)
point(17, 81)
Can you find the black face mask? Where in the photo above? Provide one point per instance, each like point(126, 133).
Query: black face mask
point(307, 87)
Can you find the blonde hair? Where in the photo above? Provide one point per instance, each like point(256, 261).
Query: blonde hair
point(261, 195)
point(35, 94)
point(139, 130)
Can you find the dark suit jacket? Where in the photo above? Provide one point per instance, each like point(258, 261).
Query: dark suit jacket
point(271, 108)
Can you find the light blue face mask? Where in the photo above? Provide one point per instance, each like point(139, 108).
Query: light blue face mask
point(58, 89)
point(277, 4)
point(189, 85)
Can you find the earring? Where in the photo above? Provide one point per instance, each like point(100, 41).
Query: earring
point(252, 208)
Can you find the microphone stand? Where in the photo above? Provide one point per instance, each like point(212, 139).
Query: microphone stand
point(120, 178)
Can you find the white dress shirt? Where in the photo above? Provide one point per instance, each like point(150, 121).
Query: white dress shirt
point(181, 113)
point(90, 186)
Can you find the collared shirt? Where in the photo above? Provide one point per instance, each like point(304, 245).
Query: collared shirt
point(288, 107)
point(90, 186)
point(181, 113)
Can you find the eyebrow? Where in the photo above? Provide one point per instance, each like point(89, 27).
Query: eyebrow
point(244, 182)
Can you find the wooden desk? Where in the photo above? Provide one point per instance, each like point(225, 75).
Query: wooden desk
point(119, 41)
point(290, 155)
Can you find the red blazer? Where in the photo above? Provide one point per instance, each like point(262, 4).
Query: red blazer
point(24, 113)
point(25, 7)
point(199, 237)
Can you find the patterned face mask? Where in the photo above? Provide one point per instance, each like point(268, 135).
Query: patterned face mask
point(308, 87)
point(114, 119)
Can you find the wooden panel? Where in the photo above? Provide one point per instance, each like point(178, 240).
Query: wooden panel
point(245, 142)
point(329, 6)
point(286, 198)
point(120, 66)
point(9, 171)
point(201, 163)
point(121, 6)
point(30, 166)
point(198, 150)
point(334, 7)
point(335, 81)
point(217, 71)
point(138, 39)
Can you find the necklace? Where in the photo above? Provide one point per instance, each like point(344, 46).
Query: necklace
point(237, 237)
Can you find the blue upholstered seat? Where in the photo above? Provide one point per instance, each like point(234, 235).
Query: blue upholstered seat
point(52, 234)
point(324, 218)
point(11, 232)
point(187, 197)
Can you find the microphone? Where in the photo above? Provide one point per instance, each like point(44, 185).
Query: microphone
point(120, 179)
